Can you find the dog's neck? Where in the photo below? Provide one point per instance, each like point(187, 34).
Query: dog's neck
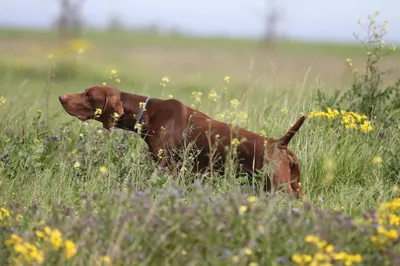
point(131, 105)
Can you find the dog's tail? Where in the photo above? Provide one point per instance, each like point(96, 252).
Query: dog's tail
point(284, 141)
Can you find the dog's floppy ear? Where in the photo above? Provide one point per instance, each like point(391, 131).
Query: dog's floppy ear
point(113, 109)
point(114, 102)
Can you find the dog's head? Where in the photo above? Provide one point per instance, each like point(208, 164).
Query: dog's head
point(102, 103)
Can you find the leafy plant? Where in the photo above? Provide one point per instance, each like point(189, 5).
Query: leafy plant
point(367, 94)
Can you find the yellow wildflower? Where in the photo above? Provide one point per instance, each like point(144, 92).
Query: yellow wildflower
point(235, 259)
point(357, 258)
point(29, 252)
point(47, 230)
point(4, 214)
point(349, 120)
point(5, 211)
point(77, 165)
point(40, 234)
point(70, 249)
point(103, 170)
point(39, 256)
point(263, 133)
point(247, 251)
point(381, 230)
point(332, 114)
point(241, 116)
point(374, 239)
point(142, 105)
point(160, 153)
point(339, 256)
point(14, 239)
point(165, 79)
point(297, 258)
point(104, 260)
point(163, 130)
point(113, 71)
point(234, 103)
point(251, 199)
point(221, 116)
point(319, 256)
point(196, 96)
point(98, 112)
point(139, 126)
point(394, 219)
point(366, 127)
point(321, 244)
point(213, 96)
point(313, 113)
point(385, 235)
point(351, 125)
point(377, 160)
point(2, 100)
point(311, 239)
point(118, 80)
point(329, 249)
point(242, 209)
point(235, 142)
point(56, 239)
point(116, 116)
point(392, 234)
point(227, 79)
point(20, 248)
point(301, 258)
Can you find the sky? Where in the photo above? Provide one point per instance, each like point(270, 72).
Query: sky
point(316, 20)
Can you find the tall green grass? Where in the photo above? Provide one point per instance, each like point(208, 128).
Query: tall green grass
point(104, 194)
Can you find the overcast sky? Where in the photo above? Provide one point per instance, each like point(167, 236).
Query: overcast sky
point(323, 20)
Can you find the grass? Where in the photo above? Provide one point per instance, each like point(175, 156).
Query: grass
point(102, 191)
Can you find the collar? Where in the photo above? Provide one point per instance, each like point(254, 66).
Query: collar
point(141, 112)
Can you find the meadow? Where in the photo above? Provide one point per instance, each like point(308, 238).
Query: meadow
point(73, 194)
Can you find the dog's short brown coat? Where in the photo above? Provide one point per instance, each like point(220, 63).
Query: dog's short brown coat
point(165, 122)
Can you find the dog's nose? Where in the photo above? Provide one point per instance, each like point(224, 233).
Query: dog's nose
point(62, 99)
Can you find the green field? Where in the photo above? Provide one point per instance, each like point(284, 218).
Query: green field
point(102, 191)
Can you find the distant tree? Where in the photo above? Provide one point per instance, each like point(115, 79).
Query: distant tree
point(272, 19)
point(70, 21)
point(115, 23)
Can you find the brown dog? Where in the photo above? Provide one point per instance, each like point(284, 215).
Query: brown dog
point(169, 124)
